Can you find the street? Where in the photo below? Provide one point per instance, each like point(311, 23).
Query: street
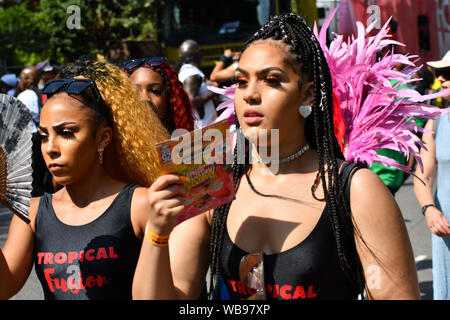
point(418, 231)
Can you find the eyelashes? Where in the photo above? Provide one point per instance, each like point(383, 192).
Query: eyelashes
point(273, 82)
point(156, 90)
point(64, 133)
point(269, 80)
point(67, 134)
point(240, 82)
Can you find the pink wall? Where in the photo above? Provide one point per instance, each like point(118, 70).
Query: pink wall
point(405, 12)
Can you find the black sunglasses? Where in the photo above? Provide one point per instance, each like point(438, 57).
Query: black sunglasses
point(74, 86)
point(445, 73)
point(77, 86)
point(135, 63)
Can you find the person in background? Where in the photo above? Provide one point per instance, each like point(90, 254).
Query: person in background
point(47, 72)
point(29, 94)
point(8, 84)
point(436, 168)
point(436, 87)
point(158, 84)
point(225, 68)
point(195, 84)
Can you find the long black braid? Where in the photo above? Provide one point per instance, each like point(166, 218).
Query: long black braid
point(319, 131)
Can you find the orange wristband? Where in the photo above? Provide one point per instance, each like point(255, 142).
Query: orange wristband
point(156, 239)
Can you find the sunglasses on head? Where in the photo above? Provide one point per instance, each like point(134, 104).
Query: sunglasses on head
point(445, 73)
point(74, 86)
point(77, 86)
point(135, 63)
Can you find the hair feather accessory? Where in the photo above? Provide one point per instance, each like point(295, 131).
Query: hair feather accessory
point(16, 127)
point(377, 114)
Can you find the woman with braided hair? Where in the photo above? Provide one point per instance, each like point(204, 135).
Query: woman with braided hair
point(284, 236)
point(98, 141)
point(158, 84)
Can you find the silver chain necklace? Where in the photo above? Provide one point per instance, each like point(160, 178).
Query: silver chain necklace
point(286, 159)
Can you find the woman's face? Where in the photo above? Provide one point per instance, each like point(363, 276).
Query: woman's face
point(267, 92)
point(69, 139)
point(444, 78)
point(151, 87)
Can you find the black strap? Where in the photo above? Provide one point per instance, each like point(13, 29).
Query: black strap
point(346, 176)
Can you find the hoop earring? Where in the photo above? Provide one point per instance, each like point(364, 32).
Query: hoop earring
point(100, 154)
point(305, 110)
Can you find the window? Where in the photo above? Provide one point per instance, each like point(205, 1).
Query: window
point(424, 34)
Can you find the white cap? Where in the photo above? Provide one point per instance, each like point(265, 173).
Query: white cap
point(441, 64)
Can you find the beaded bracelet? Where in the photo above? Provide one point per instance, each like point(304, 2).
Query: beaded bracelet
point(156, 239)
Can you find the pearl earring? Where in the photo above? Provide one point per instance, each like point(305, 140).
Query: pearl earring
point(305, 110)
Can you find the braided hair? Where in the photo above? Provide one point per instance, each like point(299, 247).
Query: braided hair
point(308, 60)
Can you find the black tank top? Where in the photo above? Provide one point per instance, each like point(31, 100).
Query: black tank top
point(309, 270)
point(93, 261)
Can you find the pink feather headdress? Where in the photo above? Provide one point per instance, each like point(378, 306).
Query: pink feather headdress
point(376, 113)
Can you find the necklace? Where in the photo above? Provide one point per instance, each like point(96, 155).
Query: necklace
point(286, 159)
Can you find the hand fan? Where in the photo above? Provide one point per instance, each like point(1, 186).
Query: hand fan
point(16, 127)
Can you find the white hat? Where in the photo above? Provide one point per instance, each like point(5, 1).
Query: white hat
point(441, 64)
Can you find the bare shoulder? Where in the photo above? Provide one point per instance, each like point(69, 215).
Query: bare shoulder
point(139, 210)
point(140, 197)
point(374, 208)
point(139, 203)
point(369, 196)
point(195, 226)
point(364, 179)
point(32, 211)
point(383, 243)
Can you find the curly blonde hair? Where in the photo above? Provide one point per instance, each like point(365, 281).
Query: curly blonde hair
point(136, 127)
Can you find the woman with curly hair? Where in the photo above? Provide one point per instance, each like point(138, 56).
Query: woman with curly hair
point(301, 232)
point(98, 141)
point(158, 84)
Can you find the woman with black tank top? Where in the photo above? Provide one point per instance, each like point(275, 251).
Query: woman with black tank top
point(85, 239)
point(283, 237)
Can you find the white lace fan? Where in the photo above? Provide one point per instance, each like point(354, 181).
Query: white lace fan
point(16, 127)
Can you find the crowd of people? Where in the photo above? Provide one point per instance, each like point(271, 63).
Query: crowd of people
point(103, 219)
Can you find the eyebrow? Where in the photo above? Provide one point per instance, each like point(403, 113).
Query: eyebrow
point(58, 126)
point(262, 71)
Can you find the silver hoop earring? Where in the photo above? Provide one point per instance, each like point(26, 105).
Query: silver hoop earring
point(305, 110)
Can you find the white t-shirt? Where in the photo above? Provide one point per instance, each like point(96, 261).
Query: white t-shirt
point(30, 99)
point(186, 71)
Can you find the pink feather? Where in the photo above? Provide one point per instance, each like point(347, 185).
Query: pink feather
point(376, 114)
point(228, 105)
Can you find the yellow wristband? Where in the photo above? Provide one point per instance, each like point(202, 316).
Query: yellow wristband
point(156, 239)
